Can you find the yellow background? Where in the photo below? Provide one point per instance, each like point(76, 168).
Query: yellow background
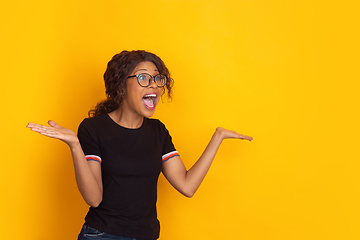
point(284, 72)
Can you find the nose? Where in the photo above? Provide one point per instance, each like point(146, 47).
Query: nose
point(153, 83)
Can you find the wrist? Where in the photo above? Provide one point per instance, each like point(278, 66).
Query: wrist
point(74, 145)
point(219, 134)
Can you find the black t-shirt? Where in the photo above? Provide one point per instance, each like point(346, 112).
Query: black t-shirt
point(131, 161)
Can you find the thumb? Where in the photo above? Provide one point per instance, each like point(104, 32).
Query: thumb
point(53, 124)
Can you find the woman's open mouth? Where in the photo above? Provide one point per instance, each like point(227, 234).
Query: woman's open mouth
point(149, 101)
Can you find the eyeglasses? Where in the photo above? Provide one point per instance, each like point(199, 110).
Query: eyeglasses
point(144, 79)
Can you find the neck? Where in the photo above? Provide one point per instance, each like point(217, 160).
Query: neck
point(126, 120)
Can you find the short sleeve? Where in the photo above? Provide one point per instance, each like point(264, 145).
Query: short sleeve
point(89, 141)
point(169, 150)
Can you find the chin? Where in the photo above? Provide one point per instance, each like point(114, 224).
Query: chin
point(148, 113)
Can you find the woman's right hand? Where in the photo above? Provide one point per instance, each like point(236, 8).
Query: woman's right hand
point(55, 131)
point(87, 173)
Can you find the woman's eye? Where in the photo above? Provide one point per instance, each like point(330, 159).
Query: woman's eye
point(141, 77)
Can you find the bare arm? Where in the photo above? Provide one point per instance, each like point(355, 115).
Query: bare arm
point(87, 173)
point(188, 181)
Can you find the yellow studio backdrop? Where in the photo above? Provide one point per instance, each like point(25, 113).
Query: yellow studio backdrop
point(284, 72)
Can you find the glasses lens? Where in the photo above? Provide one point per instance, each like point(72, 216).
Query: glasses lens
point(143, 79)
point(160, 80)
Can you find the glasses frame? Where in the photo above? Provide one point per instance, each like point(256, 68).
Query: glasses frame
point(151, 79)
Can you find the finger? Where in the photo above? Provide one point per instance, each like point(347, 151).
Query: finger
point(29, 125)
point(245, 137)
point(35, 126)
point(53, 124)
point(49, 133)
point(40, 128)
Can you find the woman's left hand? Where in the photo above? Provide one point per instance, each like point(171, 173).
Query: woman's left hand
point(225, 133)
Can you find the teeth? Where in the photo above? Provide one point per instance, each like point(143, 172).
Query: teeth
point(150, 95)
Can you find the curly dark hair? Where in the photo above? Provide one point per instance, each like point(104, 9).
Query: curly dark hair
point(116, 74)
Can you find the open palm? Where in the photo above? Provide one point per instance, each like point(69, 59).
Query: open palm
point(55, 131)
point(225, 133)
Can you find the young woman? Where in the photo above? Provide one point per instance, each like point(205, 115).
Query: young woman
point(119, 151)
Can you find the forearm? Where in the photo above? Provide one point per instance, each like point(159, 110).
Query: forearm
point(187, 182)
point(196, 174)
point(88, 175)
point(89, 187)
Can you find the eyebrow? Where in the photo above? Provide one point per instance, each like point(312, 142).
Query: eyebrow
point(144, 70)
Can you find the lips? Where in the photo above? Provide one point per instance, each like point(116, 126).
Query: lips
point(149, 101)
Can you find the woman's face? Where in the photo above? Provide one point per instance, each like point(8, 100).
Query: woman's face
point(142, 100)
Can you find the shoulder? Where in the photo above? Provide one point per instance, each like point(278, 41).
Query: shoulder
point(159, 128)
point(90, 124)
point(153, 122)
point(96, 120)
